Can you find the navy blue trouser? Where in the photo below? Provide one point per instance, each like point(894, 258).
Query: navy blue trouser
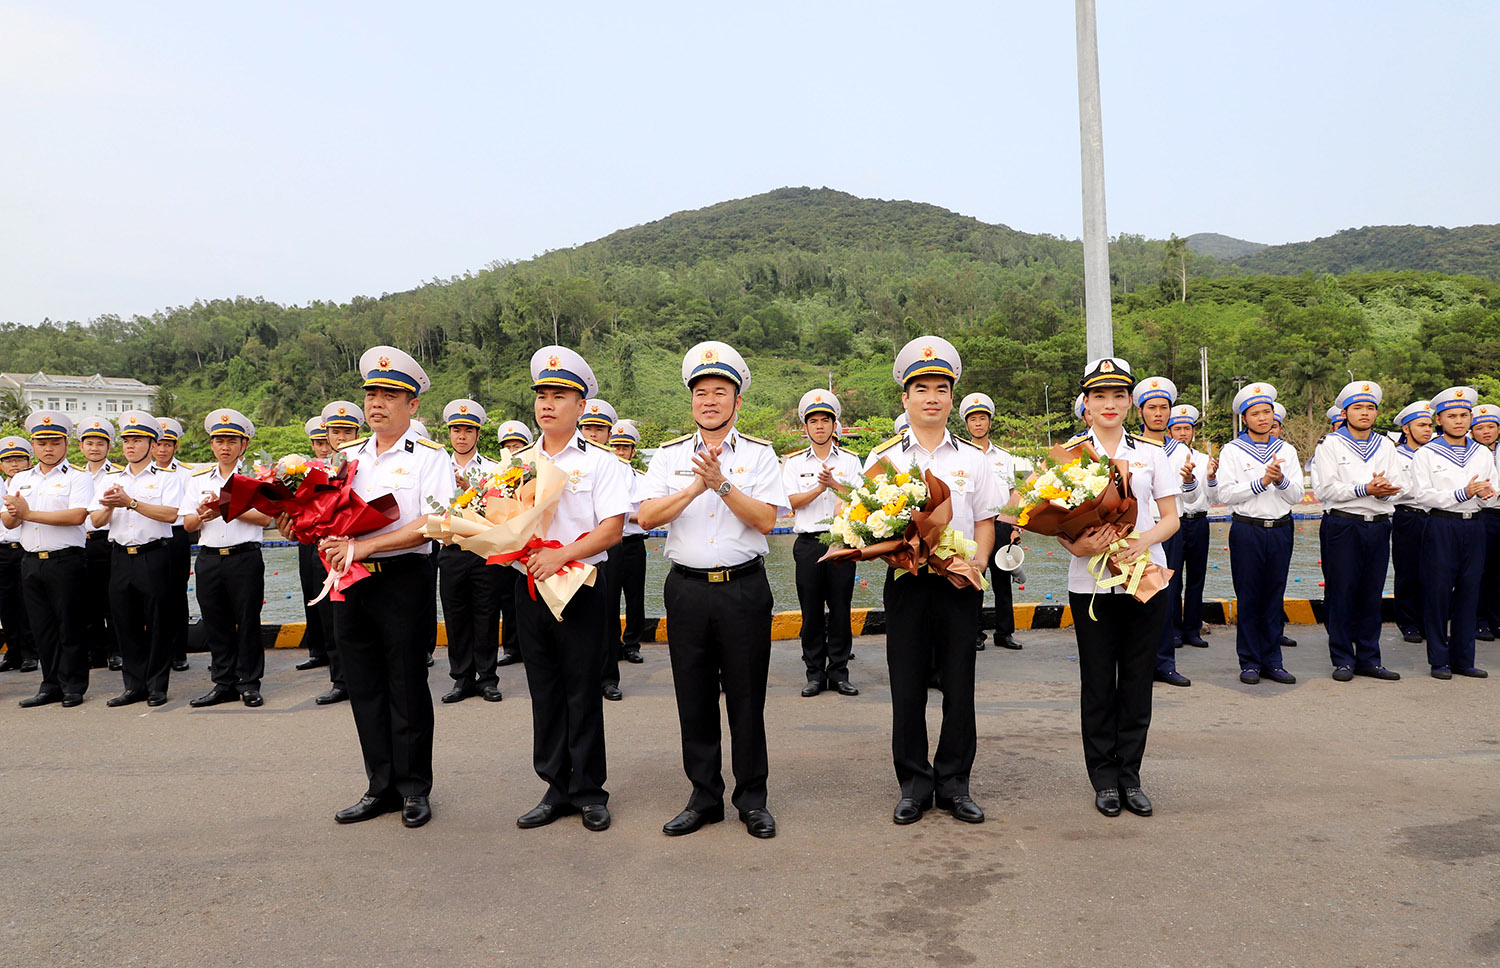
point(1355, 556)
point(1489, 582)
point(1166, 647)
point(1194, 532)
point(1452, 562)
point(1259, 558)
point(1407, 528)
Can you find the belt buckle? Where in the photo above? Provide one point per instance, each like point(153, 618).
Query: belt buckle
point(717, 576)
point(132, 549)
point(224, 552)
point(43, 554)
point(1268, 524)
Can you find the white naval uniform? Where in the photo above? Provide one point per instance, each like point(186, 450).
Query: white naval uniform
point(413, 469)
point(1342, 467)
point(598, 487)
point(1196, 496)
point(1242, 464)
point(959, 464)
point(153, 485)
point(1441, 472)
point(1151, 479)
point(64, 488)
point(207, 483)
point(799, 473)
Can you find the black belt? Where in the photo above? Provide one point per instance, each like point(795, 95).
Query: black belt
point(1489, 510)
point(1461, 515)
point(1189, 515)
point(1357, 515)
point(59, 553)
point(13, 545)
point(634, 537)
point(716, 575)
point(1284, 521)
point(102, 534)
point(815, 535)
point(137, 549)
point(392, 563)
point(1411, 509)
point(240, 548)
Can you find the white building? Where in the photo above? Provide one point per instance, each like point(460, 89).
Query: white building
point(81, 395)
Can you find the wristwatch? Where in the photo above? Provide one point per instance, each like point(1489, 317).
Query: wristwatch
point(723, 489)
point(132, 505)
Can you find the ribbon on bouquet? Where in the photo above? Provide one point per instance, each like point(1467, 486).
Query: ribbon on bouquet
point(1131, 571)
point(336, 582)
point(558, 588)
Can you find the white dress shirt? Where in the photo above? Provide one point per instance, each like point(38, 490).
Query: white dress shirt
point(477, 461)
point(1441, 473)
point(707, 534)
point(412, 469)
point(7, 535)
point(1343, 466)
point(1151, 479)
point(207, 483)
point(1196, 495)
point(98, 479)
point(800, 472)
point(153, 485)
point(1242, 464)
point(63, 488)
point(959, 464)
point(636, 477)
point(598, 487)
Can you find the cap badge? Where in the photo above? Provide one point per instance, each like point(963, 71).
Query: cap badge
point(384, 363)
point(928, 353)
point(1155, 384)
point(223, 418)
point(1459, 394)
point(710, 356)
point(463, 408)
point(553, 362)
point(133, 421)
point(1365, 388)
point(1255, 389)
point(594, 408)
point(1106, 367)
point(343, 411)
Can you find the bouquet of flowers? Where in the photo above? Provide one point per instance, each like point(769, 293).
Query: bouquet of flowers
point(501, 518)
point(902, 517)
point(318, 496)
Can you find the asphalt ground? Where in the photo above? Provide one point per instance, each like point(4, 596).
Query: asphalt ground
point(1318, 824)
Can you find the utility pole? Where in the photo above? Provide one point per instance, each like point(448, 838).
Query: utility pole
point(1047, 405)
point(1239, 381)
point(1203, 376)
point(1098, 324)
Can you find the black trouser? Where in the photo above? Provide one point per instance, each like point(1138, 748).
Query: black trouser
point(181, 568)
point(20, 645)
point(1116, 654)
point(1195, 536)
point(1407, 530)
point(632, 585)
point(471, 613)
point(721, 632)
point(231, 589)
point(563, 661)
point(1452, 563)
point(321, 637)
point(54, 591)
point(382, 633)
point(1355, 555)
point(1005, 604)
point(96, 625)
point(141, 610)
point(431, 598)
point(510, 637)
point(1489, 580)
point(927, 620)
point(826, 644)
point(608, 581)
point(1166, 649)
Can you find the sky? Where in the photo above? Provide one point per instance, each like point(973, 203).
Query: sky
point(153, 154)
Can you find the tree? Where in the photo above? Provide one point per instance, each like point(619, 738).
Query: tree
point(1174, 266)
point(13, 406)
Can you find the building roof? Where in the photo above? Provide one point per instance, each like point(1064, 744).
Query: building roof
point(51, 381)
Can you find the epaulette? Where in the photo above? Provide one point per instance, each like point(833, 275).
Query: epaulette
point(674, 440)
point(1321, 439)
point(353, 443)
point(1076, 440)
point(75, 467)
point(755, 440)
point(596, 443)
point(969, 442)
point(204, 470)
point(797, 453)
point(429, 443)
point(887, 445)
point(1147, 440)
point(117, 470)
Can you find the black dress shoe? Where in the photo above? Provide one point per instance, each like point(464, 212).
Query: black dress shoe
point(909, 810)
point(312, 662)
point(29, 665)
point(415, 811)
point(1107, 801)
point(846, 688)
point(1414, 637)
point(180, 665)
point(633, 656)
point(1196, 643)
point(979, 646)
point(1281, 676)
point(127, 697)
point(459, 692)
point(7, 663)
point(612, 692)
point(962, 808)
point(367, 808)
point(490, 693)
point(1009, 642)
point(596, 816)
point(1249, 676)
point(115, 663)
point(691, 820)
point(1442, 672)
point(71, 699)
point(252, 698)
point(1137, 802)
point(1377, 672)
point(214, 698)
point(1286, 643)
point(156, 699)
point(811, 689)
point(759, 823)
point(1173, 678)
point(544, 813)
point(1343, 674)
point(508, 658)
point(41, 699)
point(1472, 673)
point(332, 696)
point(1484, 635)
point(430, 660)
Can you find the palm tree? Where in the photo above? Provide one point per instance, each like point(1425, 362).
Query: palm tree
point(13, 406)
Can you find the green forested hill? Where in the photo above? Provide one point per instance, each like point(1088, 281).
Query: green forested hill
point(1472, 250)
point(810, 285)
point(1221, 246)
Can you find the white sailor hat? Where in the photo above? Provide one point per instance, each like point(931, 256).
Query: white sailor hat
point(420, 426)
point(1335, 415)
point(170, 429)
point(598, 413)
point(902, 422)
point(1155, 388)
point(15, 447)
point(1455, 397)
point(342, 413)
point(228, 421)
point(624, 432)
point(1108, 371)
point(316, 429)
point(139, 423)
point(712, 358)
point(1252, 393)
point(1410, 412)
point(819, 401)
point(387, 368)
point(1279, 412)
point(558, 366)
point(976, 403)
point(48, 423)
point(927, 356)
point(1485, 413)
point(463, 413)
point(1360, 391)
point(1183, 413)
point(514, 430)
point(95, 427)
point(1078, 407)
